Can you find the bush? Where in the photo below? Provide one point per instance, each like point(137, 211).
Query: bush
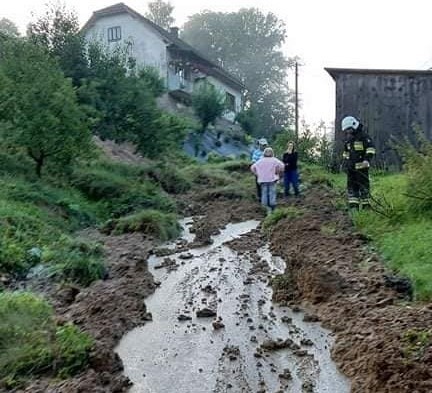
point(418, 164)
point(153, 222)
point(208, 104)
point(32, 344)
point(76, 261)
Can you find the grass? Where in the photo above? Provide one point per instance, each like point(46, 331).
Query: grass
point(32, 344)
point(163, 226)
point(280, 213)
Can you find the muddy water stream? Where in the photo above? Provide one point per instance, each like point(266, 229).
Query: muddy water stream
point(189, 355)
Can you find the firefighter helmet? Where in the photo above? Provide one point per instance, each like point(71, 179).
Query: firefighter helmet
point(350, 122)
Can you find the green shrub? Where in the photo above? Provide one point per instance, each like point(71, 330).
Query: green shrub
point(153, 222)
point(73, 349)
point(76, 260)
point(31, 343)
point(169, 177)
point(418, 163)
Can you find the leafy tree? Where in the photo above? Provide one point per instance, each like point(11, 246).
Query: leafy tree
point(248, 44)
point(58, 31)
point(38, 107)
point(208, 104)
point(122, 102)
point(9, 28)
point(160, 12)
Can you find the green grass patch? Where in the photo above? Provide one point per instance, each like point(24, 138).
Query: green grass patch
point(280, 213)
point(402, 237)
point(32, 344)
point(415, 343)
point(163, 226)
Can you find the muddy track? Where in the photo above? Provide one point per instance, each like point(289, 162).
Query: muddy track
point(331, 270)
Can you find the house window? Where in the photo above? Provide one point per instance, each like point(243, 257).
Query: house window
point(114, 34)
point(230, 102)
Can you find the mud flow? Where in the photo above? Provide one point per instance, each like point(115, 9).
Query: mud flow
point(215, 329)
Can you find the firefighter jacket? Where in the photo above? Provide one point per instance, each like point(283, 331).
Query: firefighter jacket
point(358, 148)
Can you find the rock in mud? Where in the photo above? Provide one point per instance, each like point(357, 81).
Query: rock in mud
point(218, 325)
point(186, 256)
point(287, 320)
point(306, 342)
point(272, 345)
point(310, 318)
point(286, 375)
point(183, 317)
point(308, 387)
point(205, 313)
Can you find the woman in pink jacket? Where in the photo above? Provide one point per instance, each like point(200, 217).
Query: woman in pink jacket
point(267, 170)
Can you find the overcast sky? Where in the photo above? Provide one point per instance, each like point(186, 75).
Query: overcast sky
point(324, 33)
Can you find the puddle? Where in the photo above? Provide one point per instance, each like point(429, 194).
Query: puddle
point(168, 355)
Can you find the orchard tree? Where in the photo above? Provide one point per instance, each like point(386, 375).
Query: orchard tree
point(38, 107)
point(248, 43)
point(58, 31)
point(208, 104)
point(160, 12)
point(8, 28)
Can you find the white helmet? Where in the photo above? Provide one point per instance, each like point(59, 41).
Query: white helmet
point(350, 122)
point(262, 142)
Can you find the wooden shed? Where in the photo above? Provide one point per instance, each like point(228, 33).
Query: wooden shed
point(390, 103)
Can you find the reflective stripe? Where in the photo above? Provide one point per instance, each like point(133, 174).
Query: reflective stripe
point(370, 150)
point(359, 165)
point(345, 155)
point(358, 146)
point(353, 200)
point(365, 202)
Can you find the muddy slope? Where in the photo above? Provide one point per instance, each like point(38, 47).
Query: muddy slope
point(106, 310)
point(330, 270)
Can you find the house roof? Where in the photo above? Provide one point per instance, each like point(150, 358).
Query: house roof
point(335, 72)
point(171, 39)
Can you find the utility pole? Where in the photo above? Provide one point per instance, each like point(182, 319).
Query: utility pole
point(296, 103)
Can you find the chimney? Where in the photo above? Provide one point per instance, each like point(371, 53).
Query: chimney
point(174, 31)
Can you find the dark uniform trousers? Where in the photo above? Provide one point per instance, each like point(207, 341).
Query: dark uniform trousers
point(358, 148)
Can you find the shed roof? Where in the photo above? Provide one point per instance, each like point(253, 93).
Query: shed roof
point(335, 72)
point(170, 38)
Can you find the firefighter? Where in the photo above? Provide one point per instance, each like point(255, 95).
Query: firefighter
point(357, 155)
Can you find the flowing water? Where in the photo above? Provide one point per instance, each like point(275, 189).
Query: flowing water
point(169, 355)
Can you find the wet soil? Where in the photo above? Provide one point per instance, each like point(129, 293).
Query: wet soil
point(333, 273)
point(331, 277)
point(215, 328)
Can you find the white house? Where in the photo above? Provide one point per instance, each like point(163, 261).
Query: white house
point(181, 66)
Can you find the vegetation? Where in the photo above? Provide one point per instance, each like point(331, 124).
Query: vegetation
point(160, 12)
point(163, 226)
point(278, 214)
point(243, 41)
point(32, 344)
point(208, 104)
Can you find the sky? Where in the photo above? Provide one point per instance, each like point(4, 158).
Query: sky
point(392, 34)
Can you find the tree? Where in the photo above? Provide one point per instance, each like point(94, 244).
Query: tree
point(208, 104)
point(248, 44)
point(160, 13)
point(58, 31)
point(122, 102)
point(9, 28)
point(38, 107)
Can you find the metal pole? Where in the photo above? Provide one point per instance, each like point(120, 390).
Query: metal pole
point(296, 104)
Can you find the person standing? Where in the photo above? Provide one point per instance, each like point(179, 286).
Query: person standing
point(257, 154)
point(358, 152)
point(291, 177)
point(267, 171)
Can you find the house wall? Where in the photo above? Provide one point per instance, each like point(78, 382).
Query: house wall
point(225, 88)
point(147, 47)
point(388, 105)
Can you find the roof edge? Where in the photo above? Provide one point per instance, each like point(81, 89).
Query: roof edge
point(334, 72)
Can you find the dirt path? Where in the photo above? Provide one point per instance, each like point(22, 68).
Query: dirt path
point(330, 270)
point(215, 328)
point(330, 273)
